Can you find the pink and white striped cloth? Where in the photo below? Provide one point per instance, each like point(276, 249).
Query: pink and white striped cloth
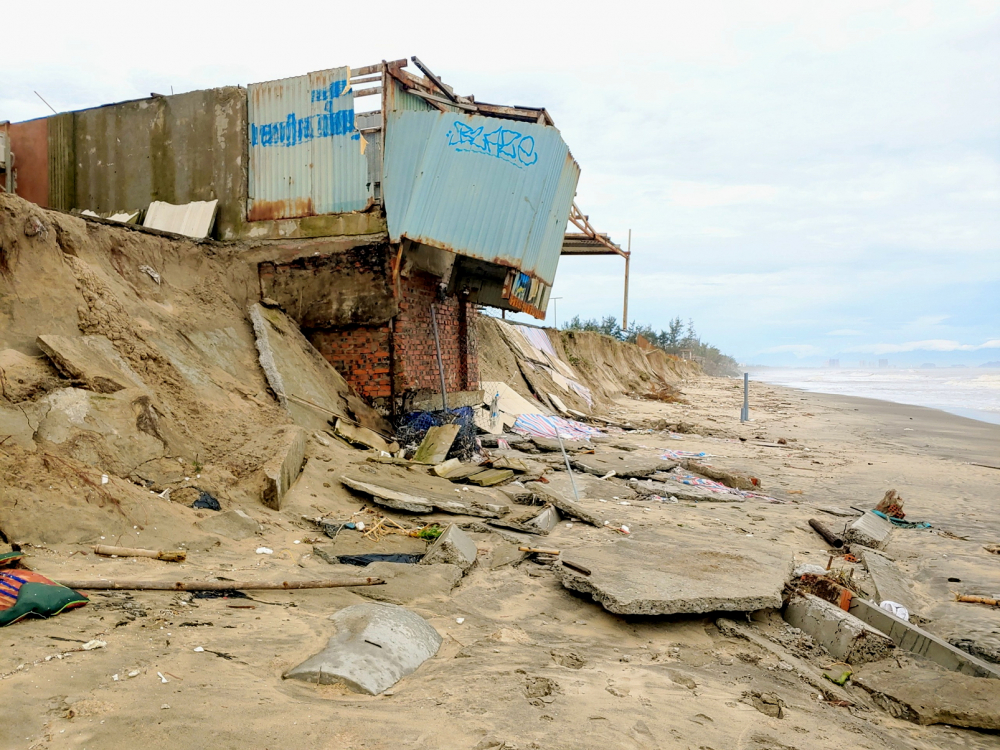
point(539, 425)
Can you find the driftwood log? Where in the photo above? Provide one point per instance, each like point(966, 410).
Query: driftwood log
point(126, 585)
point(168, 555)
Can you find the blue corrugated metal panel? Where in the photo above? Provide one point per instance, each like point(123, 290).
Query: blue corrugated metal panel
point(492, 189)
point(305, 152)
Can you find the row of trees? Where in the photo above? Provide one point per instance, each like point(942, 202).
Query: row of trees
point(675, 338)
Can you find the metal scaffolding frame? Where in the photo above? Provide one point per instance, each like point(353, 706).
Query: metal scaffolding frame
point(590, 242)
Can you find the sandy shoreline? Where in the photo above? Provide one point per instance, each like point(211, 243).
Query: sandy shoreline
point(641, 682)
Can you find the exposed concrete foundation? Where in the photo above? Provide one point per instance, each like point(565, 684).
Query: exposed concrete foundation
point(845, 636)
point(869, 531)
point(284, 468)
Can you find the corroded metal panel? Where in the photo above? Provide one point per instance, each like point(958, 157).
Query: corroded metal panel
point(306, 154)
point(490, 188)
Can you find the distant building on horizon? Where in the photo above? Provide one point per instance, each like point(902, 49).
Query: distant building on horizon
point(883, 363)
point(833, 363)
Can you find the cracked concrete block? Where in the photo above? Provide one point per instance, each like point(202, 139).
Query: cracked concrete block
point(842, 634)
point(869, 531)
point(454, 547)
point(545, 521)
point(93, 360)
point(374, 646)
point(234, 524)
point(281, 471)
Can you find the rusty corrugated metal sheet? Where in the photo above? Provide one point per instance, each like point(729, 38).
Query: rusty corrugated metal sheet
point(489, 188)
point(305, 151)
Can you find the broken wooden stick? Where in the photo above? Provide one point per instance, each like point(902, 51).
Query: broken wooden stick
point(577, 567)
point(538, 550)
point(824, 531)
point(168, 556)
point(217, 585)
point(973, 599)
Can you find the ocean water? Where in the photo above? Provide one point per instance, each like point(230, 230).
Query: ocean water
point(972, 392)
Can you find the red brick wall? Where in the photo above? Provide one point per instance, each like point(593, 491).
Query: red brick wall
point(364, 355)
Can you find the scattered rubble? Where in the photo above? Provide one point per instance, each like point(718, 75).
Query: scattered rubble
point(846, 637)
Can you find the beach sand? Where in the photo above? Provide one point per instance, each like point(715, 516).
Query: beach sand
point(532, 665)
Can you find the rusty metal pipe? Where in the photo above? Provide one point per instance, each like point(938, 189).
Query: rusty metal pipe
point(824, 531)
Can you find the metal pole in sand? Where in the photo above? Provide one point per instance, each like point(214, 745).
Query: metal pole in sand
point(437, 348)
point(572, 481)
point(745, 414)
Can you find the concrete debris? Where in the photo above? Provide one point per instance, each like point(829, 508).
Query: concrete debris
point(560, 494)
point(92, 360)
point(234, 524)
point(436, 444)
point(889, 582)
point(305, 384)
point(631, 577)
point(194, 219)
point(545, 521)
point(551, 445)
point(801, 668)
point(23, 378)
point(846, 637)
point(281, 471)
point(928, 695)
point(688, 493)
point(454, 547)
point(490, 477)
point(362, 436)
point(374, 646)
point(622, 463)
point(869, 531)
point(444, 469)
point(417, 493)
point(406, 583)
point(733, 479)
point(905, 635)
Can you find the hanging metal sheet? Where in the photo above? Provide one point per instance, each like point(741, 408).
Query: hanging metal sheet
point(306, 154)
point(490, 188)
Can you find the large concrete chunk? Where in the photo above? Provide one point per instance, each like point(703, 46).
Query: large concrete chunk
point(306, 385)
point(889, 582)
point(421, 493)
point(281, 471)
point(92, 360)
point(436, 444)
point(357, 435)
point(842, 634)
point(234, 524)
point(928, 695)
point(683, 574)
point(375, 645)
point(454, 547)
point(671, 486)
point(406, 583)
point(869, 531)
point(622, 463)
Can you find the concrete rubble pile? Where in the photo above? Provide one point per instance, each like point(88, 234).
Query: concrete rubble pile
point(122, 403)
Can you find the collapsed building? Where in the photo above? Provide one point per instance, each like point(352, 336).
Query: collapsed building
point(379, 232)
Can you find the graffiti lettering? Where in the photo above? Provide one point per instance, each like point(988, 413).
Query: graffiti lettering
point(296, 129)
point(502, 143)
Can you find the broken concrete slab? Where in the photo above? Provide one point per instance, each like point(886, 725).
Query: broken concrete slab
point(846, 637)
point(436, 444)
point(551, 445)
point(827, 689)
point(454, 547)
point(281, 471)
point(545, 521)
point(305, 384)
point(445, 468)
point(905, 635)
point(686, 492)
point(421, 493)
point(734, 479)
point(869, 530)
point(890, 584)
point(562, 498)
point(681, 572)
point(24, 378)
point(622, 463)
point(362, 436)
point(405, 583)
point(92, 360)
point(374, 646)
point(234, 524)
point(930, 695)
point(490, 477)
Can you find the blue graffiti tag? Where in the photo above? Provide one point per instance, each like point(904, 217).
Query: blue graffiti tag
point(503, 143)
point(296, 129)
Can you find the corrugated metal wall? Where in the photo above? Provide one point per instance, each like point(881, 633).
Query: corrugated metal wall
point(493, 189)
point(305, 151)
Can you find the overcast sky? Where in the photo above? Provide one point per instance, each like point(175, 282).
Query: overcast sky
point(805, 180)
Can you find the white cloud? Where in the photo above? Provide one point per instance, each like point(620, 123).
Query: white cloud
point(845, 332)
point(799, 350)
